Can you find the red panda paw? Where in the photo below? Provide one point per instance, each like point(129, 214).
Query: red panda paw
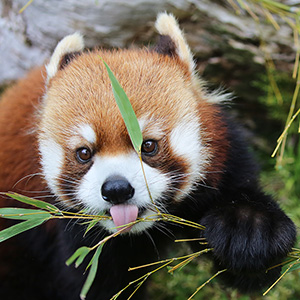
point(248, 238)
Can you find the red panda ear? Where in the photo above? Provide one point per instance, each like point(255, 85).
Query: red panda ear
point(68, 48)
point(172, 41)
point(67, 58)
point(165, 46)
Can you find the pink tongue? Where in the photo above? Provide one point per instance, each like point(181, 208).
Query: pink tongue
point(123, 214)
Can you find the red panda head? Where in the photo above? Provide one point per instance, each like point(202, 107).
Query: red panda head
point(87, 157)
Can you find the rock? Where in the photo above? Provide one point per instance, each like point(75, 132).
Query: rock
point(217, 35)
point(26, 39)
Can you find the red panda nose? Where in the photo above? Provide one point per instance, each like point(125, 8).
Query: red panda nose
point(117, 190)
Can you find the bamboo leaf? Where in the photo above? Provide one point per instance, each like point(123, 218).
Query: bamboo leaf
point(293, 268)
point(127, 111)
point(33, 202)
point(79, 256)
point(23, 213)
point(19, 228)
point(91, 225)
point(92, 273)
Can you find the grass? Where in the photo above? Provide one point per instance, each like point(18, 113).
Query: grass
point(276, 14)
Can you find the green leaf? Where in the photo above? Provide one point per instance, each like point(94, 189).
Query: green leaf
point(33, 202)
point(293, 268)
point(23, 213)
point(19, 228)
point(92, 223)
point(91, 276)
point(295, 265)
point(127, 111)
point(79, 256)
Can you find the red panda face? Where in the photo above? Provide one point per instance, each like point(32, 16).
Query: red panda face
point(87, 157)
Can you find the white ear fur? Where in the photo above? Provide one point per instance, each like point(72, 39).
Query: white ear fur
point(166, 24)
point(70, 43)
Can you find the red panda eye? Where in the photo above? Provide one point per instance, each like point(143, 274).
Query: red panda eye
point(83, 155)
point(149, 147)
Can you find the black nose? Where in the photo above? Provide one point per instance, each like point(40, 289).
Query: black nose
point(117, 190)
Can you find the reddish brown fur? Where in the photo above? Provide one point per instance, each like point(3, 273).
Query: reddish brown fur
point(17, 125)
point(96, 103)
point(214, 133)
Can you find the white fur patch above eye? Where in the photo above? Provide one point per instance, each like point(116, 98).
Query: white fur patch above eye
point(69, 44)
point(143, 123)
point(52, 157)
point(88, 133)
point(151, 129)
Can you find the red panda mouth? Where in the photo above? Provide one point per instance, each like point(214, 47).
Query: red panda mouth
point(123, 214)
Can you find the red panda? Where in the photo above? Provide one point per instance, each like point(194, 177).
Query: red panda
point(63, 140)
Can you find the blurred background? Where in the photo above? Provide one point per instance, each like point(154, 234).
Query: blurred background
point(248, 47)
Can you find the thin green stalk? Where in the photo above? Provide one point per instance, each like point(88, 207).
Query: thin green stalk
point(206, 282)
point(290, 266)
point(25, 6)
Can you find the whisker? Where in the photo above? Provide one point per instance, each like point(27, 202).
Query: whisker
point(28, 177)
point(153, 243)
